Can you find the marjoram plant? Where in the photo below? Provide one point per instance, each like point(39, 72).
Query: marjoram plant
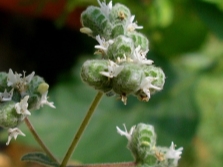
point(121, 69)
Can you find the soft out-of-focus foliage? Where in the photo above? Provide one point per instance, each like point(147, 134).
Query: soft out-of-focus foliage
point(186, 41)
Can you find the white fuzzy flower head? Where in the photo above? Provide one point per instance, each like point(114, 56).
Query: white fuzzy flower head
point(103, 45)
point(17, 82)
point(125, 133)
point(13, 133)
point(44, 101)
point(6, 96)
point(140, 57)
point(174, 154)
point(113, 70)
point(105, 8)
point(131, 26)
point(22, 107)
point(146, 85)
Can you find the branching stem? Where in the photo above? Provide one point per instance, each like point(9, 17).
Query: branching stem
point(38, 139)
point(82, 128)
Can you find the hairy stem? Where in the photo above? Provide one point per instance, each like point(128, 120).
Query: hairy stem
point(38, 139)
point(123, 164)
point(82, 128)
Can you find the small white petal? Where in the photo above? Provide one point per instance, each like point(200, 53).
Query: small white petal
point(125, 133)
point(6, 96)
point(131, 26)
point(13, 133)
point(113, 70)
point(44, 101)
point(174, 154)
point(22, 106)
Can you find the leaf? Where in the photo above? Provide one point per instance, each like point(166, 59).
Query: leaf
point(211, 16)
point(39, 158)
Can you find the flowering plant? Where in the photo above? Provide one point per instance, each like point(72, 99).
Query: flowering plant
point(122, 69)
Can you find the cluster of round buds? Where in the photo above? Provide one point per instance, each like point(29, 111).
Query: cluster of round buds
point(19, 94)
point(124, 68)
point(142, 144)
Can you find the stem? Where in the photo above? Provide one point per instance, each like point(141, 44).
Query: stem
point(38, 139)
point(123, 164)
point(82, 128)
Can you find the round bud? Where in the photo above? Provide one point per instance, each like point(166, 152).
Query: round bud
point(94, 19)
point(90, 74)
point(9, 118)
point(128, 80)
point(139, 40)
point(119, 14)
point(122, 46)
point(117, 29)
point(158, 75)
point(142, 143)
point(43, 88)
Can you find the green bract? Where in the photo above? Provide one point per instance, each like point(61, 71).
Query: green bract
point(9, 118)
point(90, 73)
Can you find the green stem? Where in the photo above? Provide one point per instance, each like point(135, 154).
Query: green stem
point(38, 139)
point(123, 164)
point(82, 128)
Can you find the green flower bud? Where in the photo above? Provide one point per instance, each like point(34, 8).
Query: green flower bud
point(121, 47)
point(119, 14)
point(42, 88)
point(128, 80)
point(142, 144)
point(91, 74)
point(9, 118)
point(118, 29)
point(94, 19)
point(157, 73)
point(139, 40)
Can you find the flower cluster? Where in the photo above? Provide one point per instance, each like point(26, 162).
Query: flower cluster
point(18, 96)
point(124, 68)
point(142, 144)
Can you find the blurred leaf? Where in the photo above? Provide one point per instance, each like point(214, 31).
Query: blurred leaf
point(211, 16)
point(180, 37)
point(39, 158)
point(219, 3)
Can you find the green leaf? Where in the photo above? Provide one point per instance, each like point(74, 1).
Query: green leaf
point(211, 15)
point(39, 158)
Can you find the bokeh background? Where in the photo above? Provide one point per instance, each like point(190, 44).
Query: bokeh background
point(186, 41)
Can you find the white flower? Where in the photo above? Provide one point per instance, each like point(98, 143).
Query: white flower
point(140, 57)
point(103, 45)
point(125, 133)
point(6, 96)
point(113, 70)
point(146, 85)
point(44, 101)
point(105, 8)
point(16, 81)
point(174, 154)
point(21, 108)
point(13, 133)
point(131, 26)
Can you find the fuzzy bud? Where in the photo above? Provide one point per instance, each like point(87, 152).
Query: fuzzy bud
point(9, 118)
point(91, 74)
point(122, 46)
point(94, 19)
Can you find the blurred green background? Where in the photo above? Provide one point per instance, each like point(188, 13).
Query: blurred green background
point(186, 41)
